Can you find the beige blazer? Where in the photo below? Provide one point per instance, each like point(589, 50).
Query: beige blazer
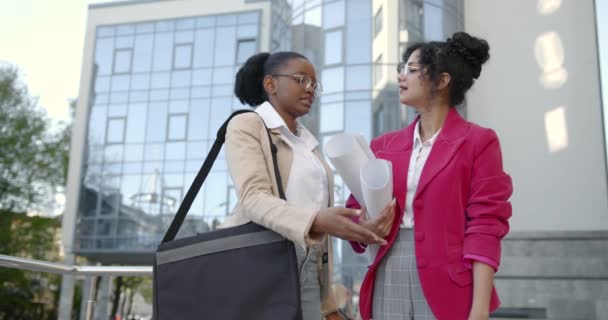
point(249, 160)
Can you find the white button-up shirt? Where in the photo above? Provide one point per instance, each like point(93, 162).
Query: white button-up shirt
point(420, 153)
point(307, 185)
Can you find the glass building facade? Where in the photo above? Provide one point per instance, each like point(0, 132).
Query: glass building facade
point(162, 88)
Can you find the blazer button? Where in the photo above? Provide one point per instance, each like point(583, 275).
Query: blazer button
point(419, 236)
point(422, 263)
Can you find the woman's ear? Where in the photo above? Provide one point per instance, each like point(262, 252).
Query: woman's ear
point(269, 85)
point(444, 81)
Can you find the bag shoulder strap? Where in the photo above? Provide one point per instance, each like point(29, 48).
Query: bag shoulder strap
point(202, 174)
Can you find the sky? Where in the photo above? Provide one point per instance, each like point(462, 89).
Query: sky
point(45, 39)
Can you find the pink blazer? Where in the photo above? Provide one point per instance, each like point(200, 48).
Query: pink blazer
point(461, 209)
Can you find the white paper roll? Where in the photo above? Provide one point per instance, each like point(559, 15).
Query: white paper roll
point(376, 185)
point(348, 154)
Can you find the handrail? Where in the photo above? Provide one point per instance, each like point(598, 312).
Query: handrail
point(64, 269)
point(60, 268)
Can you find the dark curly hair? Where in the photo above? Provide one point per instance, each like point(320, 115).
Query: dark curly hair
point(460, 56)
point(248, 85)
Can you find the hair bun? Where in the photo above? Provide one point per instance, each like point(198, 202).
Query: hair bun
point(474, 50)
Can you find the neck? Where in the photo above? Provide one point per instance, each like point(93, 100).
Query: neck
point(432, 119)
point(289, 119)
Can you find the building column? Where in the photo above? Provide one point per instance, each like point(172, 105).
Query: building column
point(104, 298)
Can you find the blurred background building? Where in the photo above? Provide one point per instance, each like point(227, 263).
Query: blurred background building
point(157, 81)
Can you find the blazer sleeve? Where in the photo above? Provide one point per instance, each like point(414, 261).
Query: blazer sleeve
point(488, 207)
point(246, 161)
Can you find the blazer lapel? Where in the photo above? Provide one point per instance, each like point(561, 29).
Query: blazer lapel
point(447, 144)
point(284, 155)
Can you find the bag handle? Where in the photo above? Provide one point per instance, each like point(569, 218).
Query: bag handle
point(184, 207)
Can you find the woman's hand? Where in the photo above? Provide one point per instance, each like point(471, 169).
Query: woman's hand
point(380, 225)
point(337, 222)
point(334, 316)
point(479, 315)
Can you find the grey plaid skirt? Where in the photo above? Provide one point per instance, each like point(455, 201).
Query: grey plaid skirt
point(397, 291)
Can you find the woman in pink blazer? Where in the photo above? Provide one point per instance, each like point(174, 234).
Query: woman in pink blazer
point(451, 191)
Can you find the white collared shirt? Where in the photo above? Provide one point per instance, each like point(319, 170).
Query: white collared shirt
point(307, 185)
point(420, 153)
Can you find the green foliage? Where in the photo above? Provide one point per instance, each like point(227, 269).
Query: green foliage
point(34, 158)
point(28, 295)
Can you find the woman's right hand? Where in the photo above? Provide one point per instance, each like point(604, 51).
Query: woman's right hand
point(381, 224)
point(337, 222)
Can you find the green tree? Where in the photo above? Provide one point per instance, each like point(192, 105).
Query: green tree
point(33, 161)
point(28, 295)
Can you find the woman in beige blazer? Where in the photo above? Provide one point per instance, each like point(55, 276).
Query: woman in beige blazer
point(282, 86)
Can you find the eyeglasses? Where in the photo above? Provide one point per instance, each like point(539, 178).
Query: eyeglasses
point(305, 82)
point(404, 69)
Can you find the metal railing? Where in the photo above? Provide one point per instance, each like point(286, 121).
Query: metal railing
point(88, 271)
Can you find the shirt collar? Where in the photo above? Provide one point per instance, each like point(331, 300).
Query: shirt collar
point(273, 120)
point(418, 140)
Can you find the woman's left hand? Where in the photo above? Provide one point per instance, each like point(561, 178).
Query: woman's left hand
point(334, 316)
point(479, 315)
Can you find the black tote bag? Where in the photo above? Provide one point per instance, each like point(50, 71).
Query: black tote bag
point(243, 272)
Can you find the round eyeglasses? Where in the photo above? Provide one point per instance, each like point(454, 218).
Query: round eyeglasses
point(305, 82)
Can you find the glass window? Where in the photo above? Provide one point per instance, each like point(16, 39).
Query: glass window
point(378, 70)
point(333, 47)
point(247, 31)
point(205, 22)
point(203, 52)
point(136, 126)
point(215, 198)
point(220, 110)
point(104, 56)
point(143, 53)
point(378, 22)
point(245, 49)
point(105, 32)
point(174, 166)
point(333, 80)
point(134, 152)
point(199, 115)
point(144, 28)
point(358, 32)
point(97, 125)
point(333, 15)
point(163, 51)
point(181, 79)
point(117, 110)
point(125, 29)
point(124, 42)
point(178, 106)
point(140, 82)
point(201, 92)
point(359, 78)
point(175, 151)
point(226, 20)
point(180, 93)
point(249, 17)
point(225, 46)
point(185, 24)
point(177, 127)
point(223, 75)
point(160, 80)
point(154, 151)
point(138, 96)
point(157, 122)
point(116, 130)
point(196, 150)
point(223, 90)
point(102, 84)
point(120, 83)
point(332, 117)
point(201, 77)
point(183, 56)
point(159, 95)
point(165, 25)
point(358, 117)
